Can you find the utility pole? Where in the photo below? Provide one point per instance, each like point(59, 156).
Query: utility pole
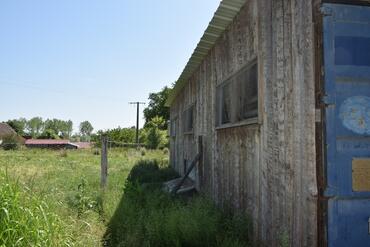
point(137, 119)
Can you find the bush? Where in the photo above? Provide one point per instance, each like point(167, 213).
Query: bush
point(10, 142)
point(153, 135)
point(83, 201)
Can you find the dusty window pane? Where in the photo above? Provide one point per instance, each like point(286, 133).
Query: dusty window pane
point(237, 98)
point(226, 104)
point(250, 93)
point(188, 119)
point(173, 127)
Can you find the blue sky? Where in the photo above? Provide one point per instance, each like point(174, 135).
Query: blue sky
point(86, 59)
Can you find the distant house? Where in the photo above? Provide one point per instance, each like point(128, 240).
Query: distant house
point(6, 131)
point(50, 143)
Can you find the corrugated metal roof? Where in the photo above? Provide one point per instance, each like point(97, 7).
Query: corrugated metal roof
point(224, 15)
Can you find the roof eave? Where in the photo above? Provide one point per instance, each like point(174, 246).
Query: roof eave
point(224, 15)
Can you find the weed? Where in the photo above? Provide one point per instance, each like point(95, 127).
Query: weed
point(63, 153)
point(83, 202)
point(284, 239)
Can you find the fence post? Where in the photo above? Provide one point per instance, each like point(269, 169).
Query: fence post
point(104, 161)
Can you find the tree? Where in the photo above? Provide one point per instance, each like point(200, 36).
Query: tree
point(56, 128)
point(66, 128)
point(35, 126)
point(156, 107)
point(69, 128)
point(19, 125)
point(86, 129)
point(155, 136)
point(48, 134)
point(53, 129)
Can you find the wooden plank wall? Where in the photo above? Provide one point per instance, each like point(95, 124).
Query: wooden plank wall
point(267, 168)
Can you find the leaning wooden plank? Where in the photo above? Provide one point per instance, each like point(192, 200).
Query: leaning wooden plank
point(187, 186)
point(193, 163)
point(171, 184)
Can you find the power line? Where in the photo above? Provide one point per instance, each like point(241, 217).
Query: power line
point(61, 92)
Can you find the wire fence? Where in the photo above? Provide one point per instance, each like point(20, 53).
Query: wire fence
point(113, 144)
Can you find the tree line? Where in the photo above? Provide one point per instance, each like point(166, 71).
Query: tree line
point(38, 128)
point(152, 135)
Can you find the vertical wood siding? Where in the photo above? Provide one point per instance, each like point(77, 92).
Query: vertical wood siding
point(267, 169)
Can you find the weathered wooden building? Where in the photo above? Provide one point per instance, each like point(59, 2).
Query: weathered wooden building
point(280, 92)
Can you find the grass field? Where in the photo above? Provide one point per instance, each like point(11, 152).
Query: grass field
point(53, 198)
point(60, 190)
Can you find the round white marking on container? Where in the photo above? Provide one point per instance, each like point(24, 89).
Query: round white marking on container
point(355, 114)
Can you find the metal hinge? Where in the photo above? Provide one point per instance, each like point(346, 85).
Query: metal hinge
point(318, 115)
point(328, 100)
point(330, 192)
point(326, 11)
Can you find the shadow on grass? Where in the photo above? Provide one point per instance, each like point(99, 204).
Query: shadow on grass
point(146, 216)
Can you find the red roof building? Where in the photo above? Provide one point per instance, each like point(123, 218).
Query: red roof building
point(50, 143)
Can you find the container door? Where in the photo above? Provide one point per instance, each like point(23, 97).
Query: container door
point(347, 119)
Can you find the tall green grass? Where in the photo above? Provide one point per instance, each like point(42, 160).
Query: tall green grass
point(147, 216)
point(65, 185)
point(26, 220)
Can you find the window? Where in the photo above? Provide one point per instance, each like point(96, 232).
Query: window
point(173, 125)
point(353, 51)
point(237, 97)
point(188, 119)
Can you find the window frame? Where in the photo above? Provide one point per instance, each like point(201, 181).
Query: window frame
point(185, 120)
point(219, 99)
point(173, 127)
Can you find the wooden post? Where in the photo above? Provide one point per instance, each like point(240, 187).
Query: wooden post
point(200, 162)
point(104, 161)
